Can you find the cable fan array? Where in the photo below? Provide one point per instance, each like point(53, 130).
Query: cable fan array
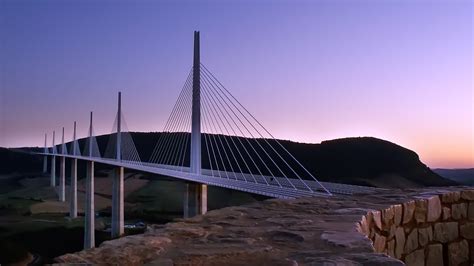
point(172, 149)
point(91, 149)
point(128, 151)
point(235, 145)
point(74, 148)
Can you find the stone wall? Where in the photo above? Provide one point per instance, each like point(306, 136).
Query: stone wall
point(429, 230)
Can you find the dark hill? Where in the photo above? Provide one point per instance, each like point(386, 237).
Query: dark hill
point(462, 176)
point(361, 161)
point(366, 160)
point(13, 161)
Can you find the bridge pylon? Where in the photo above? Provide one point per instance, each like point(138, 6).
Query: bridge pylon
point(195, 197)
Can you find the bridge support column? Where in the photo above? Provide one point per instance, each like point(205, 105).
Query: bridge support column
point(45, 158)
point(195, 199)
point(62, 178)
point(53, 164)
point(45, 164)
point(73, 185)
point(89, 228)
point(73, 190)
point(62, 172)
point(117, 203)
point(53, 171)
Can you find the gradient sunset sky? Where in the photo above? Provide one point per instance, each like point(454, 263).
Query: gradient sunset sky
point(400, 70)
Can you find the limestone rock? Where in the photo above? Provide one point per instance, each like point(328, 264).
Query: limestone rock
point(312, 231)
point(387, 217)
point(398, 213)
point(467, 230)
point(421, 207)
point(284, 236)
point(412, 241)
point(399, 242)
point(372, 233)
point(364, 226)
point(446, 213)
point(416, 258)
point(446, 232)
point(468, 194)
point(160, 262)
point(470, 212)
point(391, 232)
point(425, 235)
point(408, 210)
point(458, 253)
point(434, 209)
point(459, 211)
point(434, 255)
point(376, 218)
point(451, 197)
point(379, 243)
point(391, 248)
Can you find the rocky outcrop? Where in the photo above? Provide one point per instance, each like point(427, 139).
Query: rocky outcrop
point(437, 229)
point(339, 230)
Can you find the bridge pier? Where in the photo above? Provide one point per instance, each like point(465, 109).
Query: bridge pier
point(195, 199)
point(73, 185)
point(89, 228)
point(53, 171)
point(45, 164)
point(62, 172)
point(53, 165)
point(73, 190)
point(62, 177)
point(117, 203)
point(45, 158)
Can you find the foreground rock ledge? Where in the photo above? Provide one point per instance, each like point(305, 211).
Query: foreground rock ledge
point(342, 230)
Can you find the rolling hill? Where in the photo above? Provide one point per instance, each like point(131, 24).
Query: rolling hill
point(462, 176)
point(362, 161)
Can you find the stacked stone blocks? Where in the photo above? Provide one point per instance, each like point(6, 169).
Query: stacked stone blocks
point(429, 230)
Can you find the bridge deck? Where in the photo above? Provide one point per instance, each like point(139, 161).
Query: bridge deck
point(277, 187)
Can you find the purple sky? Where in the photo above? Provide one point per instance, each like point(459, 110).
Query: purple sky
point(309, 70)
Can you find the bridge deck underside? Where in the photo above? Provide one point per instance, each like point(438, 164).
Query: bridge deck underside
point(277, 187)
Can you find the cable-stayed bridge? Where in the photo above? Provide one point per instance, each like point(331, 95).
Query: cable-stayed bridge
point(210, 138)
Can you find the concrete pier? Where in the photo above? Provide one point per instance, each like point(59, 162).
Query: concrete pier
point(195, 200)
point(62, 172)
point(53, 171)
point(117, 203)
point(73, 190)
point(73, 181)
point(45, 164)
point(53, 165)
point(62, 178)
point(89, 228)
point(45, 158)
